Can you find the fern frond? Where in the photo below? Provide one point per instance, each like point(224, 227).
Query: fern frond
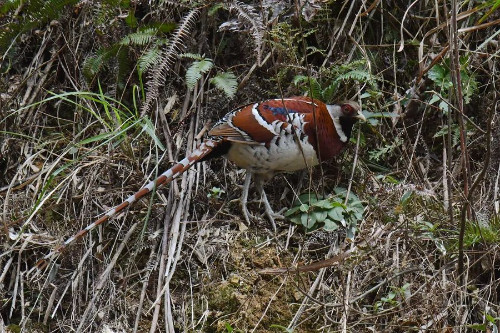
point(139, 38)
point(194, 56)
point(148, 59)
point(32, 14)
point(329, 91)
point(92, 65)
point(167, 57)
point(248, 14)
point(193, 74)
point(358, 75)
point(299, 79)
point(311, 86)
point(9, 5)
point(226, 82)
point(356, 64)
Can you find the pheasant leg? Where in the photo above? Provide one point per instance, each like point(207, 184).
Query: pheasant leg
point(271, 215)
point(244, 197)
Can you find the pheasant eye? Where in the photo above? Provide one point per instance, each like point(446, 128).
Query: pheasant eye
point(347, 109)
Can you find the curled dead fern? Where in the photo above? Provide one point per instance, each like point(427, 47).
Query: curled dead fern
point(247, 14)
point(168, 55)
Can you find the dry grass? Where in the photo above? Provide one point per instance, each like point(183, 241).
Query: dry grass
point(179, 261)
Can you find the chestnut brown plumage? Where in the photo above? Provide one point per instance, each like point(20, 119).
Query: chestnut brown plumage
point(265, 138)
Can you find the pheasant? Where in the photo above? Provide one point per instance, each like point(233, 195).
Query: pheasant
point(265, 138)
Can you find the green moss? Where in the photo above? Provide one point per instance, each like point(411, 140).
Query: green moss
point(14, 328)
point(223, 299)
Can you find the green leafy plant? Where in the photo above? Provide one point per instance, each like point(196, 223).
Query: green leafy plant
point(224, 81)
point(482, 233)
point(325, 91)
point(118, 120)
point(491, 324)
point(229, 328)
point(287, 41)
point(200, 66)
point(146, 38)
point(392, 299)
point(330, 213)
point(215, 193)
point(379, 153)
point(22, 16)
point(440, 74)
point(455, 131)
point(429, 231)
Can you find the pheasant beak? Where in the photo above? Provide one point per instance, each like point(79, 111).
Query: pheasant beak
point(360, 116)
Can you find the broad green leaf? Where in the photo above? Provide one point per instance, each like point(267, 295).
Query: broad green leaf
point(292, 211)
point(297, 219)
point(304, 220)
point(322, 204)
point(434, 98)
point(443, 106)
point(358, 214)
point(309, 197)
point(406, 196)
point(330, 225)
point(311, 221)
point(336, 214)
point(437, 73)
point(320, 216)
point(304, 208)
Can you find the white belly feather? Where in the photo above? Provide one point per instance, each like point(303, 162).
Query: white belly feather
point(286, 156)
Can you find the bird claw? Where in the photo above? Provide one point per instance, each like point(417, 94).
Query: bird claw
point(244, 200)
point(271, 215)
point(244, 210)
point(276, 216)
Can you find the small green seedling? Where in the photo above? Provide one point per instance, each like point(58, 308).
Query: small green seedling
point(215, 193)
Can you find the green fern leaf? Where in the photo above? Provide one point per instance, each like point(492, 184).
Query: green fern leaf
point(299, 79)
point(194, 56)
point(139, 38)
point(358, 75)
point(32, 14)
point(309, 85)
point(193, 74)
point(92, 65)
point(148, 59)
point(330, 90)
point(226, 82)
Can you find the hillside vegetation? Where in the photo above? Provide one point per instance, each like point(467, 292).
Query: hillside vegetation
point(400, 233)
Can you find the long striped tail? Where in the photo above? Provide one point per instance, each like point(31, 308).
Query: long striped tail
point(198, 154)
